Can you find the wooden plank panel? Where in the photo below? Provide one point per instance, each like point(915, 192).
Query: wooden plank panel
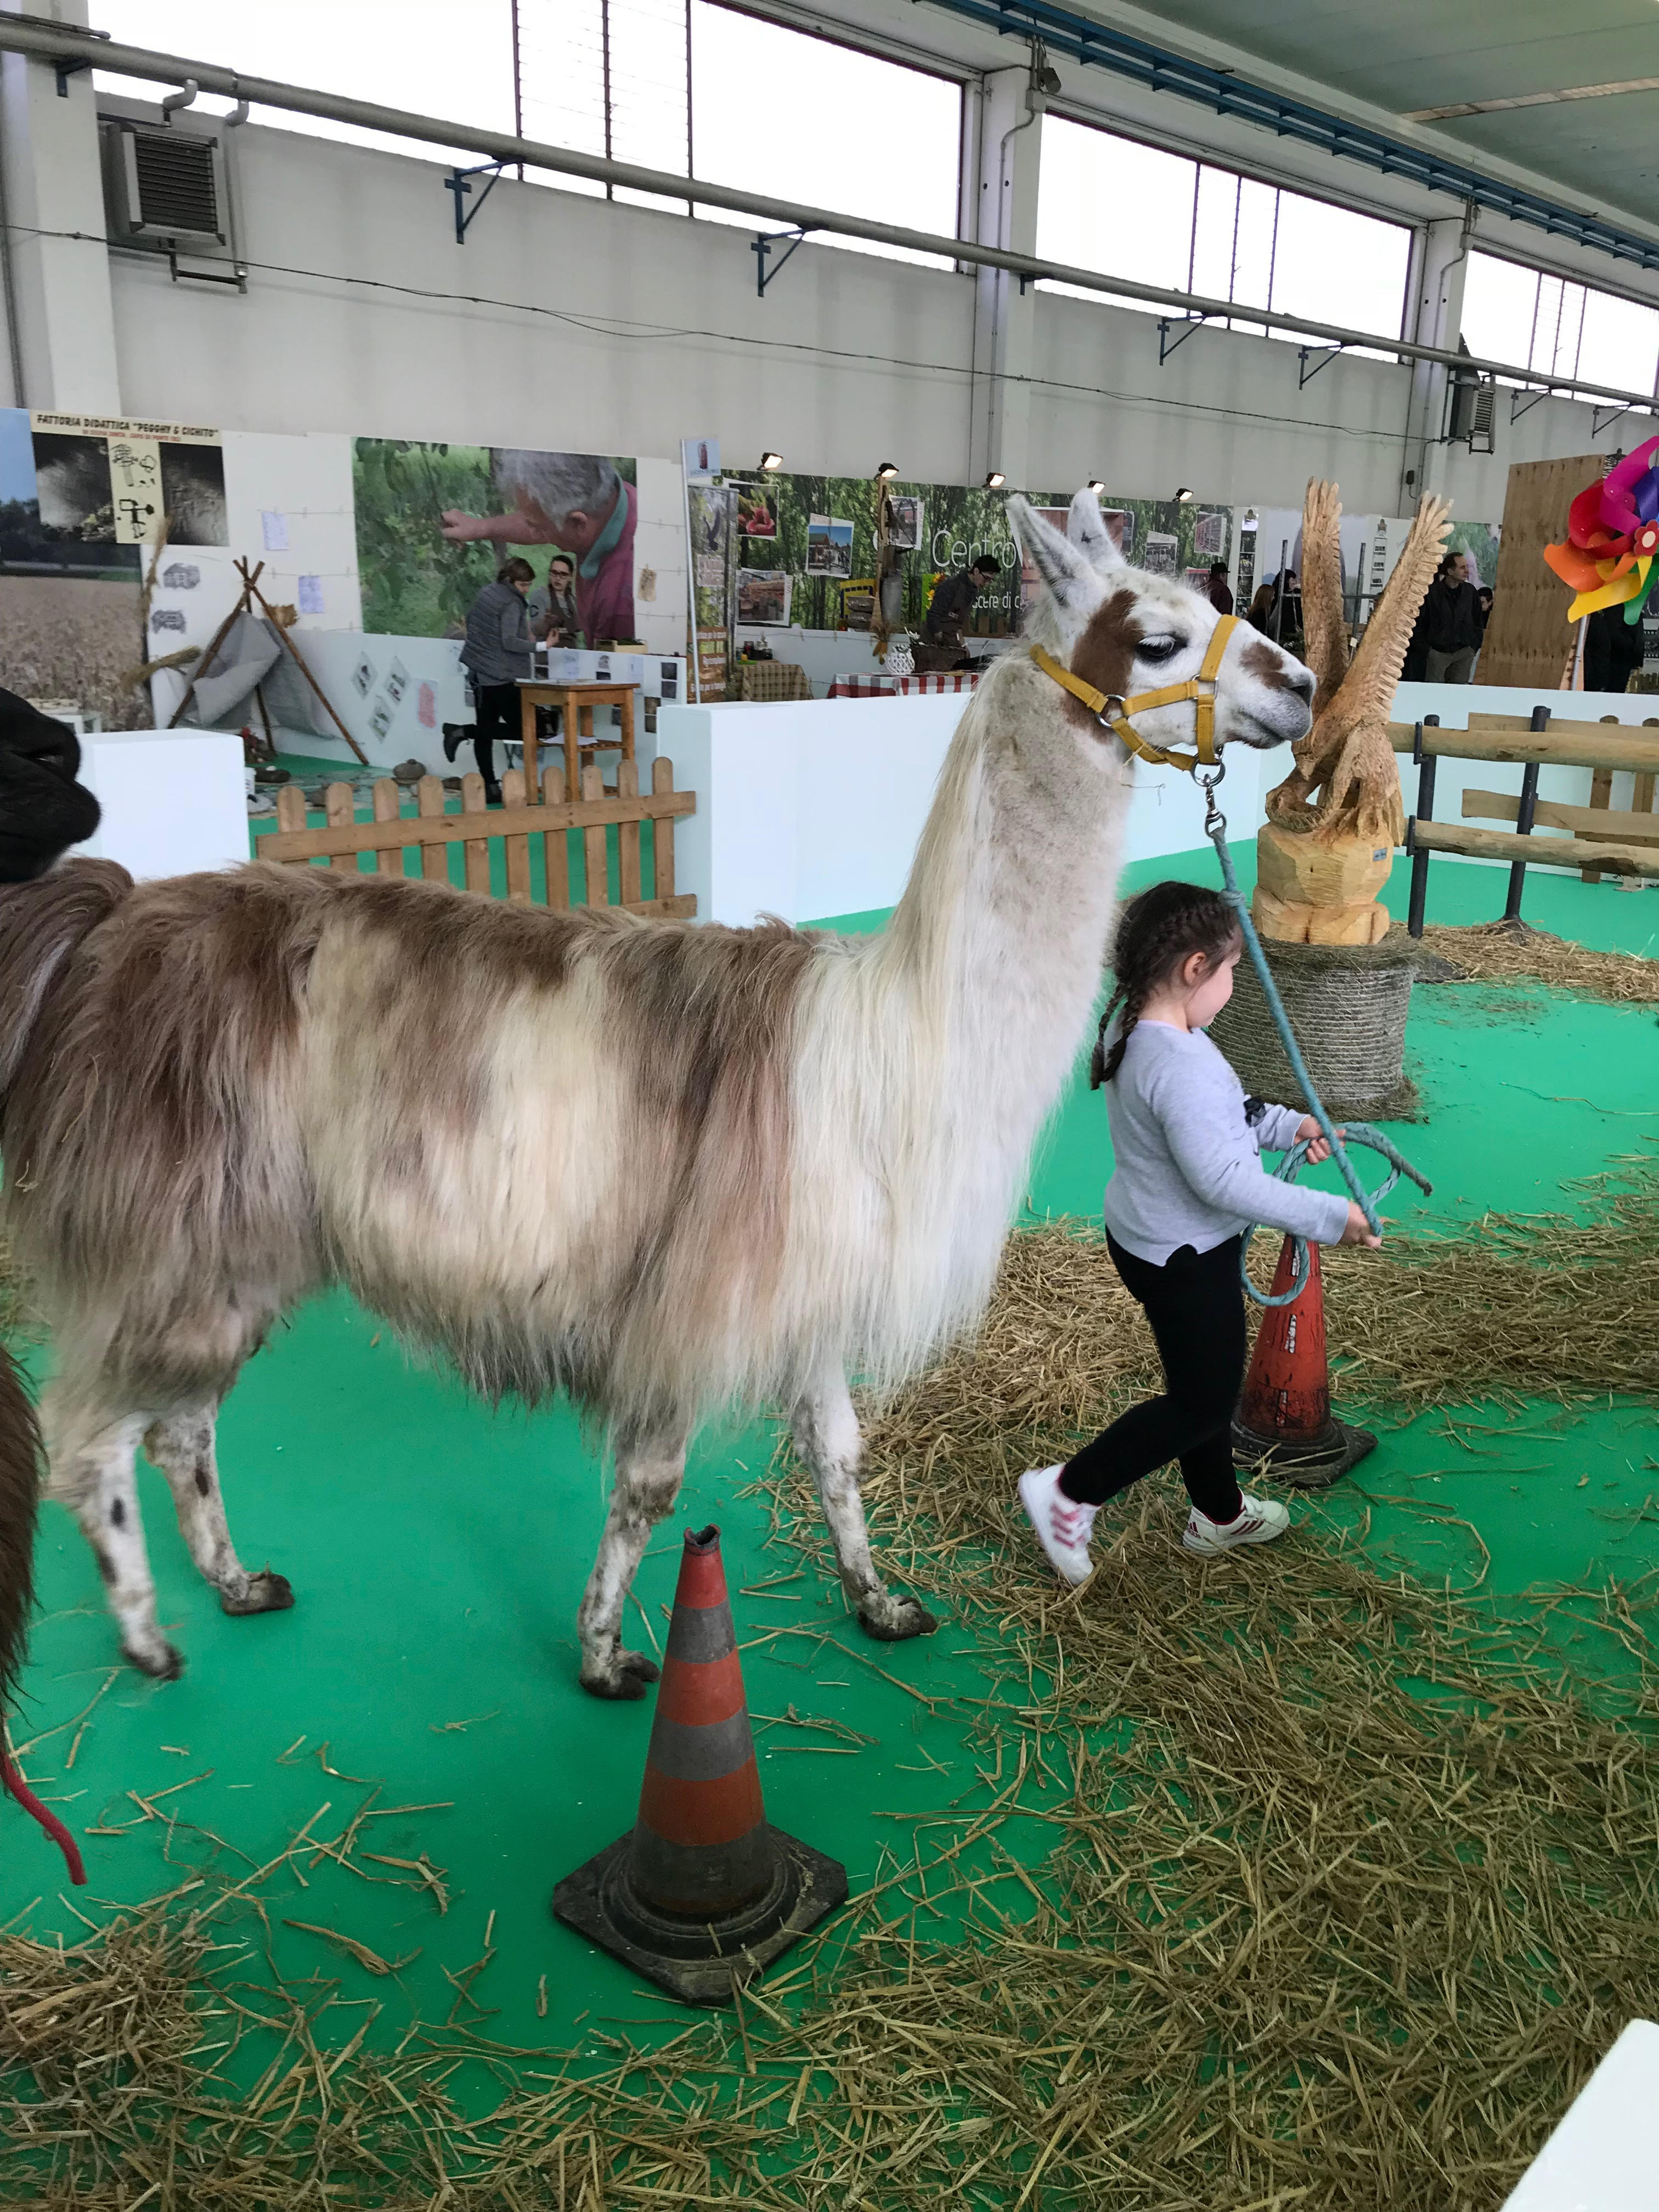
point(1528, 638)
point(434, 859)
point(510, 820)
point(556, 845)
point(1543, 852)
point(388, 807)
point(597, 887)
point(290, 814)
point(477, 848)
point(515, 812)
point(629, 885)
point(1607, 828)
point(662, 788)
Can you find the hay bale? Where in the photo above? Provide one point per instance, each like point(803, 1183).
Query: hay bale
point(1347, 1005)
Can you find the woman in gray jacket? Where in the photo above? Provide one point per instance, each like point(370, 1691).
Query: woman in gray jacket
point(496, 656)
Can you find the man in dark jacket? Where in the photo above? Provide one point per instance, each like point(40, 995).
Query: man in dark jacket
point(43, 809)
point(1613, 650)
point(940, 646)
point(1221, 591)
point(1451, 623)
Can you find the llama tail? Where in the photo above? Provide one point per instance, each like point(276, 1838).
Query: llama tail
point(41, 925)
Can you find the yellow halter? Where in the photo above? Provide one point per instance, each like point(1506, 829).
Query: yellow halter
point(1201, 688)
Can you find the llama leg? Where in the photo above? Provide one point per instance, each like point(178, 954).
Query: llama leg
point(181, 1446)
point(826, 1431)
point(91, 1455)
point(647, 1483)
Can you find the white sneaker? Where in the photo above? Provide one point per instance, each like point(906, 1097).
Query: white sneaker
point(1063, 1527)
point(1259, 1521)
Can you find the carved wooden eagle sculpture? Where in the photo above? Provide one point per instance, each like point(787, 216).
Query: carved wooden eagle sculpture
point(1345, 783)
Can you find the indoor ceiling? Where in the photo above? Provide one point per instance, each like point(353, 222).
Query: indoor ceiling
point(1417, 58)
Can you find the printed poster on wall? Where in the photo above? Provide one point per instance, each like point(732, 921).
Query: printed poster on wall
point(435, 522)
point(81, 494)
point(712, 519)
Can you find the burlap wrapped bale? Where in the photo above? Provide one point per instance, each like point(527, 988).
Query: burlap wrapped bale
point(1347, 1005)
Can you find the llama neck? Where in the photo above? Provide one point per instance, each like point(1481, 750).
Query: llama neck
point(998, 942)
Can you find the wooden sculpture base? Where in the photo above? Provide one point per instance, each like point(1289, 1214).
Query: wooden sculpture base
point(1309, 893)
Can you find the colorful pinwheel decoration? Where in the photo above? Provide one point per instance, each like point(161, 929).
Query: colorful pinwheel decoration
point(1613, 538)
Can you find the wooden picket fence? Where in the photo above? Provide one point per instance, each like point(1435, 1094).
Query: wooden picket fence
point(517, 823)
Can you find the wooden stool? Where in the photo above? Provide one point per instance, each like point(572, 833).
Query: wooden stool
point(576, 703)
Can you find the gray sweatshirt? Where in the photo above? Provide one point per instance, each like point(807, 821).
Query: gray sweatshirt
point(498, 647)
point(1187, 1150)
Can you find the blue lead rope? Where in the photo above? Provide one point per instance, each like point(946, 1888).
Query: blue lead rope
point(1215, 828)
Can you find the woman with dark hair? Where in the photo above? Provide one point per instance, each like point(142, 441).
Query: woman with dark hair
point(496, 656)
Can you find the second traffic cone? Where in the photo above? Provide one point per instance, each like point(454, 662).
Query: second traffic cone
point(703, 1892)
point(1284, 1426)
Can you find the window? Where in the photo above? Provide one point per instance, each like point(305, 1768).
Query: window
point(447, 58)
point(1556, 327)
point(1131, 210)
point(607, 77)
point(883, 141)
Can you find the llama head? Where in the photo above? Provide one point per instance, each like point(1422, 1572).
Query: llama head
point(1124, 630)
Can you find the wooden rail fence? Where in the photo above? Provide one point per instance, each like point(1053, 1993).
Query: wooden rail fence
point(1626, 842)
point(517, 823)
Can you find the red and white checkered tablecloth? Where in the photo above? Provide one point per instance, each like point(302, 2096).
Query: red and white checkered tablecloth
point(880, 685)
point(873, 686)
point(955, 679)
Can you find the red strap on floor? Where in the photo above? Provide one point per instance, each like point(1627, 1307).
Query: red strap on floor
point(54, 1827)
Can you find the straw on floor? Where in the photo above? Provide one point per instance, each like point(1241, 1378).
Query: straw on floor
point(1284, 1881)
point(1494, 952)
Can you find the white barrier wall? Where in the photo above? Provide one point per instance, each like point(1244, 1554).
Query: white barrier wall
point(811, 808)
point(173, 801)
point(1569, 787)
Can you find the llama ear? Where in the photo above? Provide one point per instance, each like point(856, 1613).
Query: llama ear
point(1086, 528)
point(1063, 569)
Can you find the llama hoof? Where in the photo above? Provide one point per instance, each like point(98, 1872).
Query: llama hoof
point(893, 1620)
point(628, 1675)
point(266, 1592)
point(161, 1661)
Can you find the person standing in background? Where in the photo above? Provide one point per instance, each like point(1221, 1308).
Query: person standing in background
point(1451, 624)
point(939, 646)
point(1221, 591)
point(552, 605)
point(1613, 650)
point(496, 656)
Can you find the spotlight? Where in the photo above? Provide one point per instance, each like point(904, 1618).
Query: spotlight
point(1183, 494)
point(886, 471)
point(771, 460)
point(1095, 486)
point(994, 480)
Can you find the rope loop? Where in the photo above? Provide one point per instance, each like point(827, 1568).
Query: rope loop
point(1354, 1133)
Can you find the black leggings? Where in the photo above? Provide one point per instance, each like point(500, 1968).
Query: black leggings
point(1196, 1309)
point(498, 717)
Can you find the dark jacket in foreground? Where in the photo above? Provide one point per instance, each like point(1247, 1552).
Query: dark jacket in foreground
point(43, 809)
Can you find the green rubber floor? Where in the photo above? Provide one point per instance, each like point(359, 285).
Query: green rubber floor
point(439, 1549)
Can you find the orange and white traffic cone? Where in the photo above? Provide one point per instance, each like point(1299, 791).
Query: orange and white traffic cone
point(702, 1893)
point(1284, 1426)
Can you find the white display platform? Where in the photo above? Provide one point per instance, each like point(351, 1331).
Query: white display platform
point(1603, 2156)
point(174, 801)
point(810, 808)
point(1569, 787)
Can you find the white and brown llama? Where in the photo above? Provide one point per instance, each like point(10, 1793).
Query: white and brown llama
point(798, 1154)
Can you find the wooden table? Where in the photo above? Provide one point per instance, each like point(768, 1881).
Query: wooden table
point(576, 703)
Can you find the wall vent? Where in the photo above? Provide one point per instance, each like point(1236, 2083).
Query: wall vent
point(165, 187)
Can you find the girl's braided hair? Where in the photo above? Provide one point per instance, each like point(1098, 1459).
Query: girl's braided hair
point(1157, 931)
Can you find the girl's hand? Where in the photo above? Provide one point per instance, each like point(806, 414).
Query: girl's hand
point(1359, 1230)
point(1308, 1133)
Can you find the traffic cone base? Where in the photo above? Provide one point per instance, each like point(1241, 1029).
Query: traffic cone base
point(1284, 1426)
point(702, 1891)
point(702, 1961)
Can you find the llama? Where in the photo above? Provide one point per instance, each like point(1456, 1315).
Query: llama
point(798, 1154)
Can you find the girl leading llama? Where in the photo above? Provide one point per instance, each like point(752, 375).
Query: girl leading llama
point(1186, 1183)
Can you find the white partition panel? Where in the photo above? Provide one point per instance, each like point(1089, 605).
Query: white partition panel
point(812, 807)
point(173, 801)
